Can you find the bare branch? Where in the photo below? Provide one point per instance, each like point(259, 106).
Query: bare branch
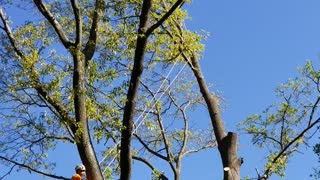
point(150, 150)
point(163, 134)
point(162, 176)
point(209, 145)
point(32, 169)
point(2, 177)
point(185, 130)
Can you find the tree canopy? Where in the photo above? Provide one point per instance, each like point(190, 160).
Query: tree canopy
point(73, 69)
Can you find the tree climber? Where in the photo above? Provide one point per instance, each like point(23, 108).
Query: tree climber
point(80, 173)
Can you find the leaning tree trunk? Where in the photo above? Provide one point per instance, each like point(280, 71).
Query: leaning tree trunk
point(227, 142)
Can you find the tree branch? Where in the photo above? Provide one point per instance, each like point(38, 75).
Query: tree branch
point(164, 17)
point(313, 110)
point(9, 33)
point(209, 145)
point(57, 27)
point(78, 19)
point(39, 88)
point(150, 150)
point(65, 118)
point(283, 151)
point(162, 176)
point(32, 169)
point(91, 43)
point(169, 158)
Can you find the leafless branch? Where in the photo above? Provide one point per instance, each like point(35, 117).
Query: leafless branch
point(8, 173)
point(149, 149)
point(162, 176)
point(29, 168)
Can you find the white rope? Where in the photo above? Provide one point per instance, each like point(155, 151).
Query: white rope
point(141, 115)
point(156, 94)
point(168, 74)
point(161, 95)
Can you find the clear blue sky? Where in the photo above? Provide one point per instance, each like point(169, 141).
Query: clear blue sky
point(254, 46)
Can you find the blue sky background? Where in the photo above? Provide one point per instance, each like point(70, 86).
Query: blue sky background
point(254, 46)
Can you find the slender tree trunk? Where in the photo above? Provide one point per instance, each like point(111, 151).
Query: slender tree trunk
point(83, 140)
point(227, 143)
point(126, 133)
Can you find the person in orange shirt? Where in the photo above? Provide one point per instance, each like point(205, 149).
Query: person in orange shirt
point(80, 173)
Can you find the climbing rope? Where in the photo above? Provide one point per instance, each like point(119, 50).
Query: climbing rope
point(140, 118)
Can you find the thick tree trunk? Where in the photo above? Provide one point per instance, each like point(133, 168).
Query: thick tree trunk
point(228, 149)
point(227, 143)
point(83, 140)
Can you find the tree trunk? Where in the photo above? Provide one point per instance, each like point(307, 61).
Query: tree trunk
point(177, 174)
point(126, 133)
point(227, 143)
point(228, 152)
point(83, 140)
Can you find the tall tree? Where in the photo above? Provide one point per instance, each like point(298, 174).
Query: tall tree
point(71, 73)
point(227, 141)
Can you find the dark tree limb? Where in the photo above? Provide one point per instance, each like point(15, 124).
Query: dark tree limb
point(126, 133)
point(149, 149)
point(165, 17)
point(161, 177)
point(78, 21)
point(92, 41)
point(29, 168)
